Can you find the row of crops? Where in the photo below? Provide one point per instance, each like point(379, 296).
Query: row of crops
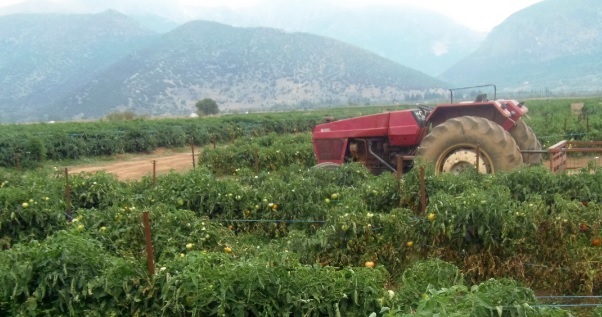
point(255, 231)
point(274, 237)
point(31, 145)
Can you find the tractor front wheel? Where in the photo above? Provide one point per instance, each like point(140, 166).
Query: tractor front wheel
point(470, 142)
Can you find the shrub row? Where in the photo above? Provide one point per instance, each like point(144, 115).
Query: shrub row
point(28, 145)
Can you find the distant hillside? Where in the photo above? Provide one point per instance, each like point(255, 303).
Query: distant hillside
point(155, 23)
point(417, 38)
point(243, 68)
point(413, 37)
point(45, 58)
point(554, 45)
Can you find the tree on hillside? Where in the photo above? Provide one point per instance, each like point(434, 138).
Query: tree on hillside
point(207, 106)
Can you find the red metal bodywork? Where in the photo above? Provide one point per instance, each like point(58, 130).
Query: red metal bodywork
point(399, 127)
point(404, 129)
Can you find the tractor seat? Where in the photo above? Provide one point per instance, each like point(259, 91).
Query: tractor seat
point(481, 98)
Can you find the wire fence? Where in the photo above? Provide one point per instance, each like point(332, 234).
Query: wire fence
point(582, 303)
point(270, 220)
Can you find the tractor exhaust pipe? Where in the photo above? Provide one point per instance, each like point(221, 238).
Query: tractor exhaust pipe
point(379, 158)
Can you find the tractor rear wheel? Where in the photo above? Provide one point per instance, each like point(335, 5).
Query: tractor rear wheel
point(452, 146)
point(526, 140)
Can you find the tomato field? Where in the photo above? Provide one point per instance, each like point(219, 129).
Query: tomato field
point(255, 231)
point(34, 144)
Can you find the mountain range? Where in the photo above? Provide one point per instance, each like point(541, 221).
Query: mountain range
point(84, 66)
point(245, 68)
point(81, 66)
point(553, 45)
point(47, 57)
point(417, 38)
point(414, 37)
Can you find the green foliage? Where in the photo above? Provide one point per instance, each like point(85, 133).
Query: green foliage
point(289, 238)
point(68, 274)
point(98, 190)
point(63, 147)
point(31, 207)
point(266, 153)
point(552, 120)
point(137, 141)
point(421, 276)
point(208, 284)
point(32, 144)
point(206, 106)
point(174, 232)
point(36, 149)
point(539, 181)
point(502, 297)
point(171, 136)
point(25, 152)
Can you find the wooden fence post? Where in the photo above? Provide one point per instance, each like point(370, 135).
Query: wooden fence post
point(150, 256)
point(154, 173)
point(18, 161)
point(67, 192)
point(192, 148)
point(422, 190)
point(399, 161)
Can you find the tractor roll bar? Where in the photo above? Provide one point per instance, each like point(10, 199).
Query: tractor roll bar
point(451, 90)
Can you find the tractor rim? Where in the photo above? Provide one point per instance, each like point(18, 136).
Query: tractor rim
point(460, 157)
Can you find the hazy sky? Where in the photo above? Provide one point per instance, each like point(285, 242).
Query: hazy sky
point(481, 15)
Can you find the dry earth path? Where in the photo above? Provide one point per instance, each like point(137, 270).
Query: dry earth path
point(135, 167)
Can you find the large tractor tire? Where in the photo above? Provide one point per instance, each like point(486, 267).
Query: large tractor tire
point(526, 140)
point(452, 146)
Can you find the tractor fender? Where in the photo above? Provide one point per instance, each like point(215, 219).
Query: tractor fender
point(491, 110)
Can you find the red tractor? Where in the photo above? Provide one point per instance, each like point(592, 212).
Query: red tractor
point(448, 135)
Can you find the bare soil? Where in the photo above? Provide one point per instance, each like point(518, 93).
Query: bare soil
point(137, 166)
point(134, 167)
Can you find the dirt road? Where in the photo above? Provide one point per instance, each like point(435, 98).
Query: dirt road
point(134, 168)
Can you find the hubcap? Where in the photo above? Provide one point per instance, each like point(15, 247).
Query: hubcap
point(462, 159)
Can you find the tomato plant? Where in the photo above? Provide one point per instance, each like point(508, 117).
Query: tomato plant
point(305, 234)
